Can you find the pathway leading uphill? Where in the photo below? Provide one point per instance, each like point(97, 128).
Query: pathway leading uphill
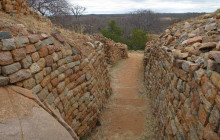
point(128, 115)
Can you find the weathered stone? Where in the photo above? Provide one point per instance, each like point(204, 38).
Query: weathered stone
point(194, 40)
point(35, 68)
point(57, 35)
point(186, 65)
point(34, 38)
point(55, 57)
point(26, 62)
point(5, 58)
point(61, 87)
point(19, 54)
point(5, 35)
point(43, 52)
point(38, 45)
point(30, 48)
point(50, 99)
point(202, 115)
point(217, 100)
point(51, 49)
point(214, 118)
point(215, 78)
point(35, 56)
point(9, 69)
point(21, 41)
point(215, 55)
point(8, 44)
point(209, 134)
point(39, 77)
point(42, 63)
point(208, 89)
point(210, 27)
point(49, 41)
point(4, 81)
point(36, 89)
point(43, 94)
point(207, 46)
point(29, 83)
point(49, 60)
point(45, 81)
point(55, 82)
point(19, 76)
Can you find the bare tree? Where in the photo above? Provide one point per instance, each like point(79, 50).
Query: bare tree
point(50, 7)
point(78, 11)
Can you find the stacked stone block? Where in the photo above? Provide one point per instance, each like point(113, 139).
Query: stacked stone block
point(182, 75)
point(75, 84)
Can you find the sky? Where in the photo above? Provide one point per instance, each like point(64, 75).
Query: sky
point(160, 6)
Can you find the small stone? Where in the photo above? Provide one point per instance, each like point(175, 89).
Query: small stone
point(57, 35)
point(209, 134)
point(186, 65)
point(26, 62)
point(19, 54)
point(55, 82)
point(207, 46)
point(194, 40)
point(5, 35)
point(43, 52)
point(210, 27)
point(51, 49)
point(50, 99)
point(4, 81)
point(49, 41)
point(214, 118)
point(42, 63)
point(35, 56)
point(45, 81)
point(19, 76)
point(35, 68)
point(88, 76)
point(36, 89)
point(61, 87)
point(43, 94)
point(9, 69)
point(215, 55)
point(202, 115)
point(21, 41)
point(5, 58)
point(30, 49)
point(55, 57)
point(38, 45)
point(215, 78)
point(29, 83)
point(34, 38)
point(49, 60)
point(208, 89)
point(39, 77)
point(8, 44)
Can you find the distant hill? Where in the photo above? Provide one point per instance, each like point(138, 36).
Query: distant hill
point(95, 22)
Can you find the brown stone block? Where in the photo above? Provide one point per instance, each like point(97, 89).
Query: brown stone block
point(19, 54)
point(203, 116)
point(30, 49)
point(209, 134)
point(43, 52)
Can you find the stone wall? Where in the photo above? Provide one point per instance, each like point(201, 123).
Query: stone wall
point(71, 77)
point(14, 6)
point(182, 74)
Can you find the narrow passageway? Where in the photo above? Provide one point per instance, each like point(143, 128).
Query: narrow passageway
point(128, 115)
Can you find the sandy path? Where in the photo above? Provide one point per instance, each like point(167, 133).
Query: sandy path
point(128, 113)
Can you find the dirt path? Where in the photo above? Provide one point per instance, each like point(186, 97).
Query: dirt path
point(128, 115)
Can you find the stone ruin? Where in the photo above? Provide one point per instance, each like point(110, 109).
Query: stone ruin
point(182, 74)
point(47, 75)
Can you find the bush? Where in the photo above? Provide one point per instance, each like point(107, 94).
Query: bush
point(137, 40)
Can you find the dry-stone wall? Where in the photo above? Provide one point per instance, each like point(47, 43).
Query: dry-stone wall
point(14, 6)
point(71, 77)
point(182, 74)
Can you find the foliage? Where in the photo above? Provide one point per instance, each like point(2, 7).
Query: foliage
point(137, 40)
point(113, 31)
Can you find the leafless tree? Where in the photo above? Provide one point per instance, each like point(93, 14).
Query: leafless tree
point(50, 7)
point(77, 11)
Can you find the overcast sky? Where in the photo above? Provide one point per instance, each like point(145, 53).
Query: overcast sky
point(167, 6)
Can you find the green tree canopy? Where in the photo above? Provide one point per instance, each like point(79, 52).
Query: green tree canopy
point(139, 39)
